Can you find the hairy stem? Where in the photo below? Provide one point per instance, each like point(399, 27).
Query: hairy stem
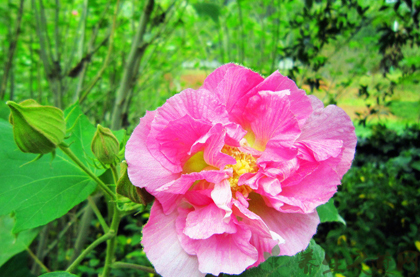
point(73, 157)
point(133, 266)
point(98, 214)
point(110, 249)
point(76, 262)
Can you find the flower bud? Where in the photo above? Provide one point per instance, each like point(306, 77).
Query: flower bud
point(127, 189)
point(105, 145)
point(37, 129)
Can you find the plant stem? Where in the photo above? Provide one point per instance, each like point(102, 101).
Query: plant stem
point(73, 157)
point(107, 236)
point(114, 174)
point(37, 260)
point(133, 266)
point(110, 249)
point(98, 214)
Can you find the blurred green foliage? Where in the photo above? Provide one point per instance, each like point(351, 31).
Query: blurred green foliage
point(378, 199)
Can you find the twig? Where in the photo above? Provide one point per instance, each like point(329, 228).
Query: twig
point(134, 266)
point(37, 260)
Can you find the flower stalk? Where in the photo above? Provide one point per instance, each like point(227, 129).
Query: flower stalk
point(73, 157)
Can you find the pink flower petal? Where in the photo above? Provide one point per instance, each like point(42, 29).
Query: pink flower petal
point(162, 247)
point(296, 229)
point(273, 125)
point(323, 149)
point(176, 145)
point(227, 253)
point(182, 184)
point(222, 197)
point(332, 123)
point(206, 221)
point(143, 169)
point(235, 83)
point(314, 190)
point(201, 106)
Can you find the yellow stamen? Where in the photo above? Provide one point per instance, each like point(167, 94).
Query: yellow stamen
point(245, 163)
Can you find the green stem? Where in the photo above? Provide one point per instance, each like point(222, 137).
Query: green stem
point(114, 173)
point(133, 266)
point(37, 260)
point(98, 214)
point(107, 236)
point(110, 249)
point(73, 157)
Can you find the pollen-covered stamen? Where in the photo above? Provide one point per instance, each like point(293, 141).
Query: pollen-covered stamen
point(245, 163)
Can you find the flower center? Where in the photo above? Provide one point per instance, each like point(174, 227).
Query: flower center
point(245, 163)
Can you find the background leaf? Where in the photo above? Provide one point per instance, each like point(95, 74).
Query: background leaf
point(310, 262)
point(42, 191)
point(329, 213)
point(17, 266)
point(11, 244)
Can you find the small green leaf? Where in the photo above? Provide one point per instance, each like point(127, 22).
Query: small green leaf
point(328, 213)
point(11, 244)
point(58, 274)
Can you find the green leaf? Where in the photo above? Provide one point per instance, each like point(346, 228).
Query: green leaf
point(328, 213)
point(41, 191)
point(58, 274)
point(82, 133)
point(11, 244)
point(208, 9)
point(17, 266)
point(310, 262)
point(44, 190)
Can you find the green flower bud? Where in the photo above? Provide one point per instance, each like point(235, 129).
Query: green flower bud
point(127, 189)
point(105, 145)
point(37, 129)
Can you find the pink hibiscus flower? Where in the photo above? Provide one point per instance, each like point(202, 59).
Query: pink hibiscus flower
point(237, 168)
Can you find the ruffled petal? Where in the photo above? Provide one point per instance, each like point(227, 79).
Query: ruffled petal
point(162, 247)
point(231, 83)
point(300, 103)
point(227, 253)
point(206, 221)
point(199, 109)
point(332, 123)
point(271, 120)
point(182, 184)
point(296, 229)
point(143, 169)
point(313, 190)
point(222, 197)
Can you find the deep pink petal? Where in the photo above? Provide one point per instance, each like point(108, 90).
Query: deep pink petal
point(213, 80)
point(206, 221)
point(162, 247)
point(182, 184)
point(201, 108)
point(296, 229)
point(143, 169)
point(174, 144)
point(272, 122)
point(235, 83)
point(199, 197)
point(211, 144)
point(300, 103)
